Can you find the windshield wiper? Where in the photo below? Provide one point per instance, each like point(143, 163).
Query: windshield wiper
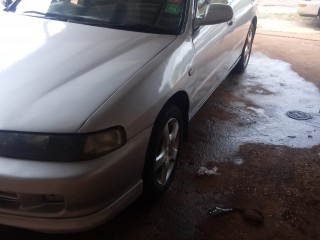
point(68, 18)
point(34, 12)
point(100, 23)
point(51, 16)
point(130, 27)
point(139, 27)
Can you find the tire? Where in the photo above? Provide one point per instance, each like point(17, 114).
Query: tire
point(163, 151)
point(246, 52)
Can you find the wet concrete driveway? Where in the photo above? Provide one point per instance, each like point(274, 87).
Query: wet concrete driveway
point(244, 152)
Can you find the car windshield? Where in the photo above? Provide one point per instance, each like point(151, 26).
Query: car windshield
point(155, 16)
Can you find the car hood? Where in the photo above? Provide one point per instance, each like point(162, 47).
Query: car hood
point(54, 75)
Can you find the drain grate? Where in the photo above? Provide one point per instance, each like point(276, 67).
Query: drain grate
point(298, 115)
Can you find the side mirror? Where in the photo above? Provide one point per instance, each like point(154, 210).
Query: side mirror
point(216, 13)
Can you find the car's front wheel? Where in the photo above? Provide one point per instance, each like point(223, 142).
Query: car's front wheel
point(163, 150)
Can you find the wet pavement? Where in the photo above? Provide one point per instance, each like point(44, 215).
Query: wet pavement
point(251, 108)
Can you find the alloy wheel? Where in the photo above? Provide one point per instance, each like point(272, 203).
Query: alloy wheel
point(247, 49)
point(167, 151)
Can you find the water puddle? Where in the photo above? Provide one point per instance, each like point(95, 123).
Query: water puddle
point(208, 172)
point(260, 100)
point(289, 92)
point(250, 215)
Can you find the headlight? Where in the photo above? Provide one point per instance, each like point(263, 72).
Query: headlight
point(60, 147)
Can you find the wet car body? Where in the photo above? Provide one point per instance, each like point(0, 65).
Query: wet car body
point(63, 80)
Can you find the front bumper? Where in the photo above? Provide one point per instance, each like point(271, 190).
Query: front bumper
point(67, 197)
point(67, 225)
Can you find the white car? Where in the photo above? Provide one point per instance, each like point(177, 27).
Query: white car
point(309, 8)
point(95, 99)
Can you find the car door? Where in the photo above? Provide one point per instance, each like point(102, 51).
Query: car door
point(242, 16)
point(212, 50)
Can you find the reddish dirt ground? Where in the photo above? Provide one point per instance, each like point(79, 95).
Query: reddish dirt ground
point(296, 49)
